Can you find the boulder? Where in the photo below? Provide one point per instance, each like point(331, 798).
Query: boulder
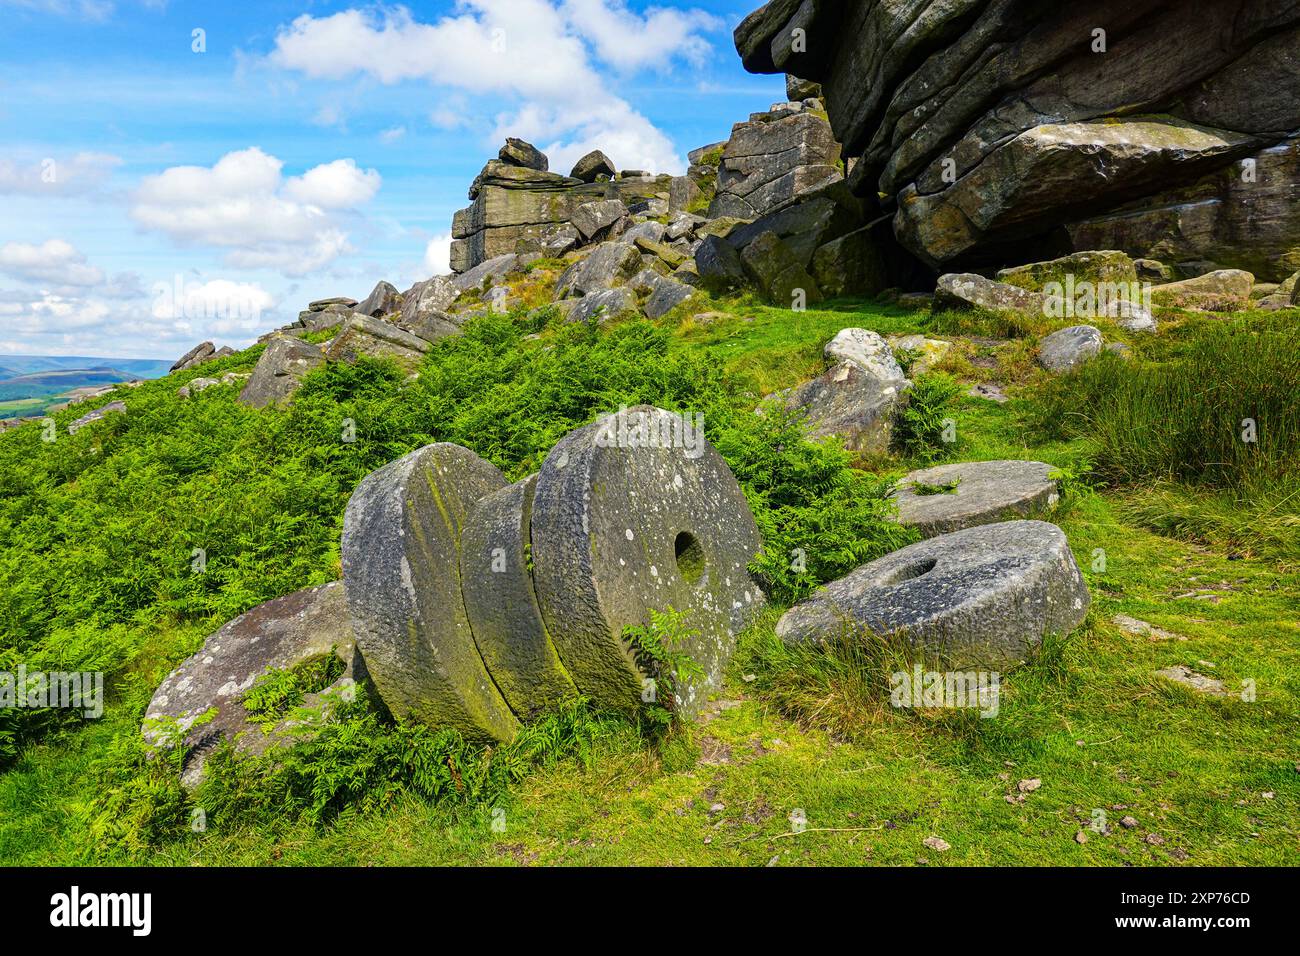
point(1066, 349)
point(592, 217)
point(605, 306)
point(593, 166)
point(433, 296)
point(496, 573)
point(383, 300)
point(950, 498)
point(518, 153)
point(772, 161)
point(610, 265)
point(194, 386)
point(998, 128)
point(300, 629)
point(927, 353)
point(670, 256)
point(654, 231)
point(717, 260)
point(338, 302)
point(99, 414)
point(857, 397)
point(558, 240)
point(667, 295)
point(280, 371)
point(362, 335)
point(194, 356)
point(799, 90)
point(804, 226)
point(1108, 268)
point(487, 274)
point(777, 271)
point(982, 596)
point(851, 265)
point(966, 291)
point(683, 226)
point(1224, 291)
point(638, 512)
point(320, 321)
point(683, 193)
point(401, 569)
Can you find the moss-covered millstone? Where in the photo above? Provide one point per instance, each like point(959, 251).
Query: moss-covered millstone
point(401, 569)
point(497, 582)
point(637, 512)
point(986, 595)
point(1110, 268)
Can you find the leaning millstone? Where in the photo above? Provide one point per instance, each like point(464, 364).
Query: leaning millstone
point(518, 153)
point(497, 583)
point(1227, 290)
point(1067, 349)
point(384, 300)
point(112, 408)
point(591, 217)
point(974, 493)
point(280, 371)
point(362, 335)
point(986, 595)
point(300, 628)
point(637, 512)
point(194, 356)
point(965, 291)
point(593, 166)
point(401, 569)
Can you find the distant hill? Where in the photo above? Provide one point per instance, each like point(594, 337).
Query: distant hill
point(30, 382)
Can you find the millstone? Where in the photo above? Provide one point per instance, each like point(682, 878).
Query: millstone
point(632, 513)
point(497, 582)
point(401, 571)
point(985, 595)
point(984, 492)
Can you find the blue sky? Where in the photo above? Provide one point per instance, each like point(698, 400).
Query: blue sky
point(152, 196)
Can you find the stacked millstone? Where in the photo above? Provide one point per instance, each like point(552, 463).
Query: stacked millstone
point(478, 603)
point(473, 604)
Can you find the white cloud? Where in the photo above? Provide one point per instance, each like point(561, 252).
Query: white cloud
point(221, 306)
point(437, 256)
point(55, 261)
point(244, 204)
point(336, 185)
point(52, 176)
point(392, 135)
point(96, 11)
point(538, 52)
point(628, 42)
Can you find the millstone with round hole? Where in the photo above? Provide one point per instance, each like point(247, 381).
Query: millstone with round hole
point(952, 497)
point(401, 572)
point(985, 595)
point(633, 513)
point(497, 582)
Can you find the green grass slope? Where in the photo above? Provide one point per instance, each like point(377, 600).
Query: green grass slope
point(98, 532)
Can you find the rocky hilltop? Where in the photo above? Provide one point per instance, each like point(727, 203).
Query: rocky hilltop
point(997, 130)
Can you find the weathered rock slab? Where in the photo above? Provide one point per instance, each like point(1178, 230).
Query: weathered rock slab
point(1066, 349)
point(280, 371)
point(278, 635)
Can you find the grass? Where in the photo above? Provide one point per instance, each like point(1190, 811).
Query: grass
point(1209, 780)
